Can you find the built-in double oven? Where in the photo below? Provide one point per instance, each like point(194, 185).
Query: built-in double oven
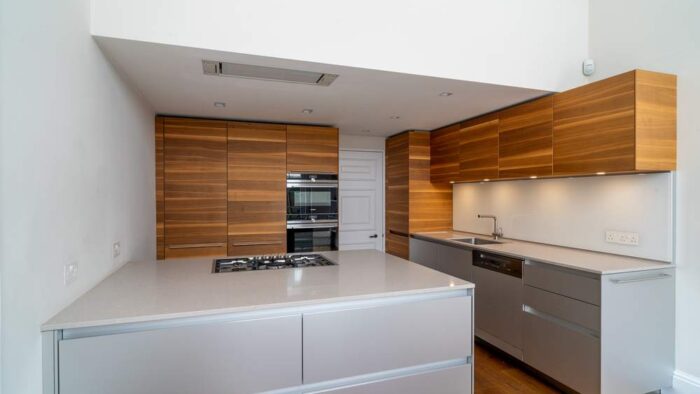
point(312, 212)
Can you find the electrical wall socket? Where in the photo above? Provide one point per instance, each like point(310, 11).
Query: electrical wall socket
point(70, 273)
point(622, 237)
point(116, 249)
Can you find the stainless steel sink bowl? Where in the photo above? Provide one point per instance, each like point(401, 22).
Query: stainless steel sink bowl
point(476, 241)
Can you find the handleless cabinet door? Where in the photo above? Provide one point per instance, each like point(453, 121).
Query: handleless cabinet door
point(396, 178)
point(257, 157)
point(454, 380)
point(217, 358)
point(525, 140)
point(498, 307)
point(194, 187)
point(444, 154)
point(478, 151)
point(353, 342)
point(312, 149)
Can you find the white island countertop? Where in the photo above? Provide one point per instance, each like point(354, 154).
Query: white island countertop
point(579, 259)
point(147, 291)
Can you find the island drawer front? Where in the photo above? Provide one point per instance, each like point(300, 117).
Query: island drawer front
point(582, 286)
point(352, 342)
point(566, 354)
point(230, 357)
point(568, 309)
point(453, 380)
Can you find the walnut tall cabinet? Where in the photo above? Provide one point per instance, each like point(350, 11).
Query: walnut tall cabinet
point(221, 185)
point(413, 203)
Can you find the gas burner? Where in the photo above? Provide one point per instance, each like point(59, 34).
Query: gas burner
point(273, 262)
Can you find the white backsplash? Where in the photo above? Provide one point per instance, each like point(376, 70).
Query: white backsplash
point(575, 212)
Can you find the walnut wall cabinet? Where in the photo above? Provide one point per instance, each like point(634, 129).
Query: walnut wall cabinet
point(623, 124)
point(413, 203)
point(221, 186)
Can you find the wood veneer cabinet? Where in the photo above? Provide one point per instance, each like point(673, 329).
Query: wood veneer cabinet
point(312, 149)
point(444, 154)
point(413, 203)
point(525, 139)
point(626, 123)
point(478, 148)
point(194, 187)
point(257, 167)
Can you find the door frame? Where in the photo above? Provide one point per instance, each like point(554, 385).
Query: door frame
point(383, 183)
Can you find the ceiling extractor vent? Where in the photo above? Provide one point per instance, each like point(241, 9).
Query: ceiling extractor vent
point(267, 73)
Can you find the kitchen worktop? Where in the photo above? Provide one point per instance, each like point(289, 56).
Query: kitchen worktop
point(147, 291)
point(583, 260)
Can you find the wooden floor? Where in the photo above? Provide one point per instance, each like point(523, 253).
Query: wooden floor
point(495, 373)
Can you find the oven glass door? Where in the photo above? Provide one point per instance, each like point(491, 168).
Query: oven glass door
point(312, 239)
point(312, 202)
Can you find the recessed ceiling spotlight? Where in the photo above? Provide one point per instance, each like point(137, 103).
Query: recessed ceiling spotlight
point(486, 179)
point(307, 111)
point(366, 131)
point(219, 104)
point(445, 94)
point(452, 181)
point(600, 173)
point(394, 117)
point(533, 177)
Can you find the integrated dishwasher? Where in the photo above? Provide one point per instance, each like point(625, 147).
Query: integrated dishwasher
point(499, 301)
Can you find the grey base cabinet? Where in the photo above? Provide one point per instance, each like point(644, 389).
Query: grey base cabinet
point(416, 343)
point(453, 380)
point(446, 259)
point(232, 357)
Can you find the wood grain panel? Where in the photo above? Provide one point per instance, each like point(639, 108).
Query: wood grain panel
point(430, 204)
point(312, 149)
point(655, 121)
point(594, 127)
point(525, 139)
point(396, 208)
point(257, 157)
point(194, 187)
point(160, 204)
point(478, 151)
point(444, 154)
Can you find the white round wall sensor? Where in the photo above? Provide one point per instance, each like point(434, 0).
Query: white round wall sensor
point(588, 67)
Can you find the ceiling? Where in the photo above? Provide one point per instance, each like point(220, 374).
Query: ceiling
point(360, 101)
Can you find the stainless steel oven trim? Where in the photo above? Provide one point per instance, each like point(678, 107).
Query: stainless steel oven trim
point(293, 226)
point(312, 185)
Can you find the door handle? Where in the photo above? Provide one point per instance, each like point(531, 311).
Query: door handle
point(373, 236)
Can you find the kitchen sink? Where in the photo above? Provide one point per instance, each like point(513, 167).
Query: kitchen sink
point(476, 241)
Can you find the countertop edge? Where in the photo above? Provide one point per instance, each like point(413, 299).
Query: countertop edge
point(662, 264)
point(48, 326)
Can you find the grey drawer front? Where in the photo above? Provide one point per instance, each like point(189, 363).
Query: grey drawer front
point(216, 358)
point(498, 300)
point(578, 285)
point(454, 380)
point(352, 342)
point(571, 357)
point(577, 312)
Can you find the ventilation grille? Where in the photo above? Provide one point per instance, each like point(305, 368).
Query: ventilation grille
point(267, 73)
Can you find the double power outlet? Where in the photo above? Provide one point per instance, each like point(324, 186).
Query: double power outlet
point(622, 237)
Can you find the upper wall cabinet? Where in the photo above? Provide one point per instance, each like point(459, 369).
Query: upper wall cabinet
point(194, 156)
point(626, 123)
point(444, 154)
point(478, 149)
point(525, 140)
point(312, 149)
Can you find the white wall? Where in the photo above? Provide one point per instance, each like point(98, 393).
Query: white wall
point(537, 44)
point(361, 142)
point(665, 36)
point(574, 212)
point(76, 169)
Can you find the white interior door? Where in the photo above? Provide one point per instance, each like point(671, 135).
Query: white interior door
point(361, 199)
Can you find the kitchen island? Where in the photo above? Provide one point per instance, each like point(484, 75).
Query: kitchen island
point(369, 324)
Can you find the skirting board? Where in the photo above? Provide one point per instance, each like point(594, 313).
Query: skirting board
point(685, 383)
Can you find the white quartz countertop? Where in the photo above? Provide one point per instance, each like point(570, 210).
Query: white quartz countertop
point(584, 260)
point(147, 291)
